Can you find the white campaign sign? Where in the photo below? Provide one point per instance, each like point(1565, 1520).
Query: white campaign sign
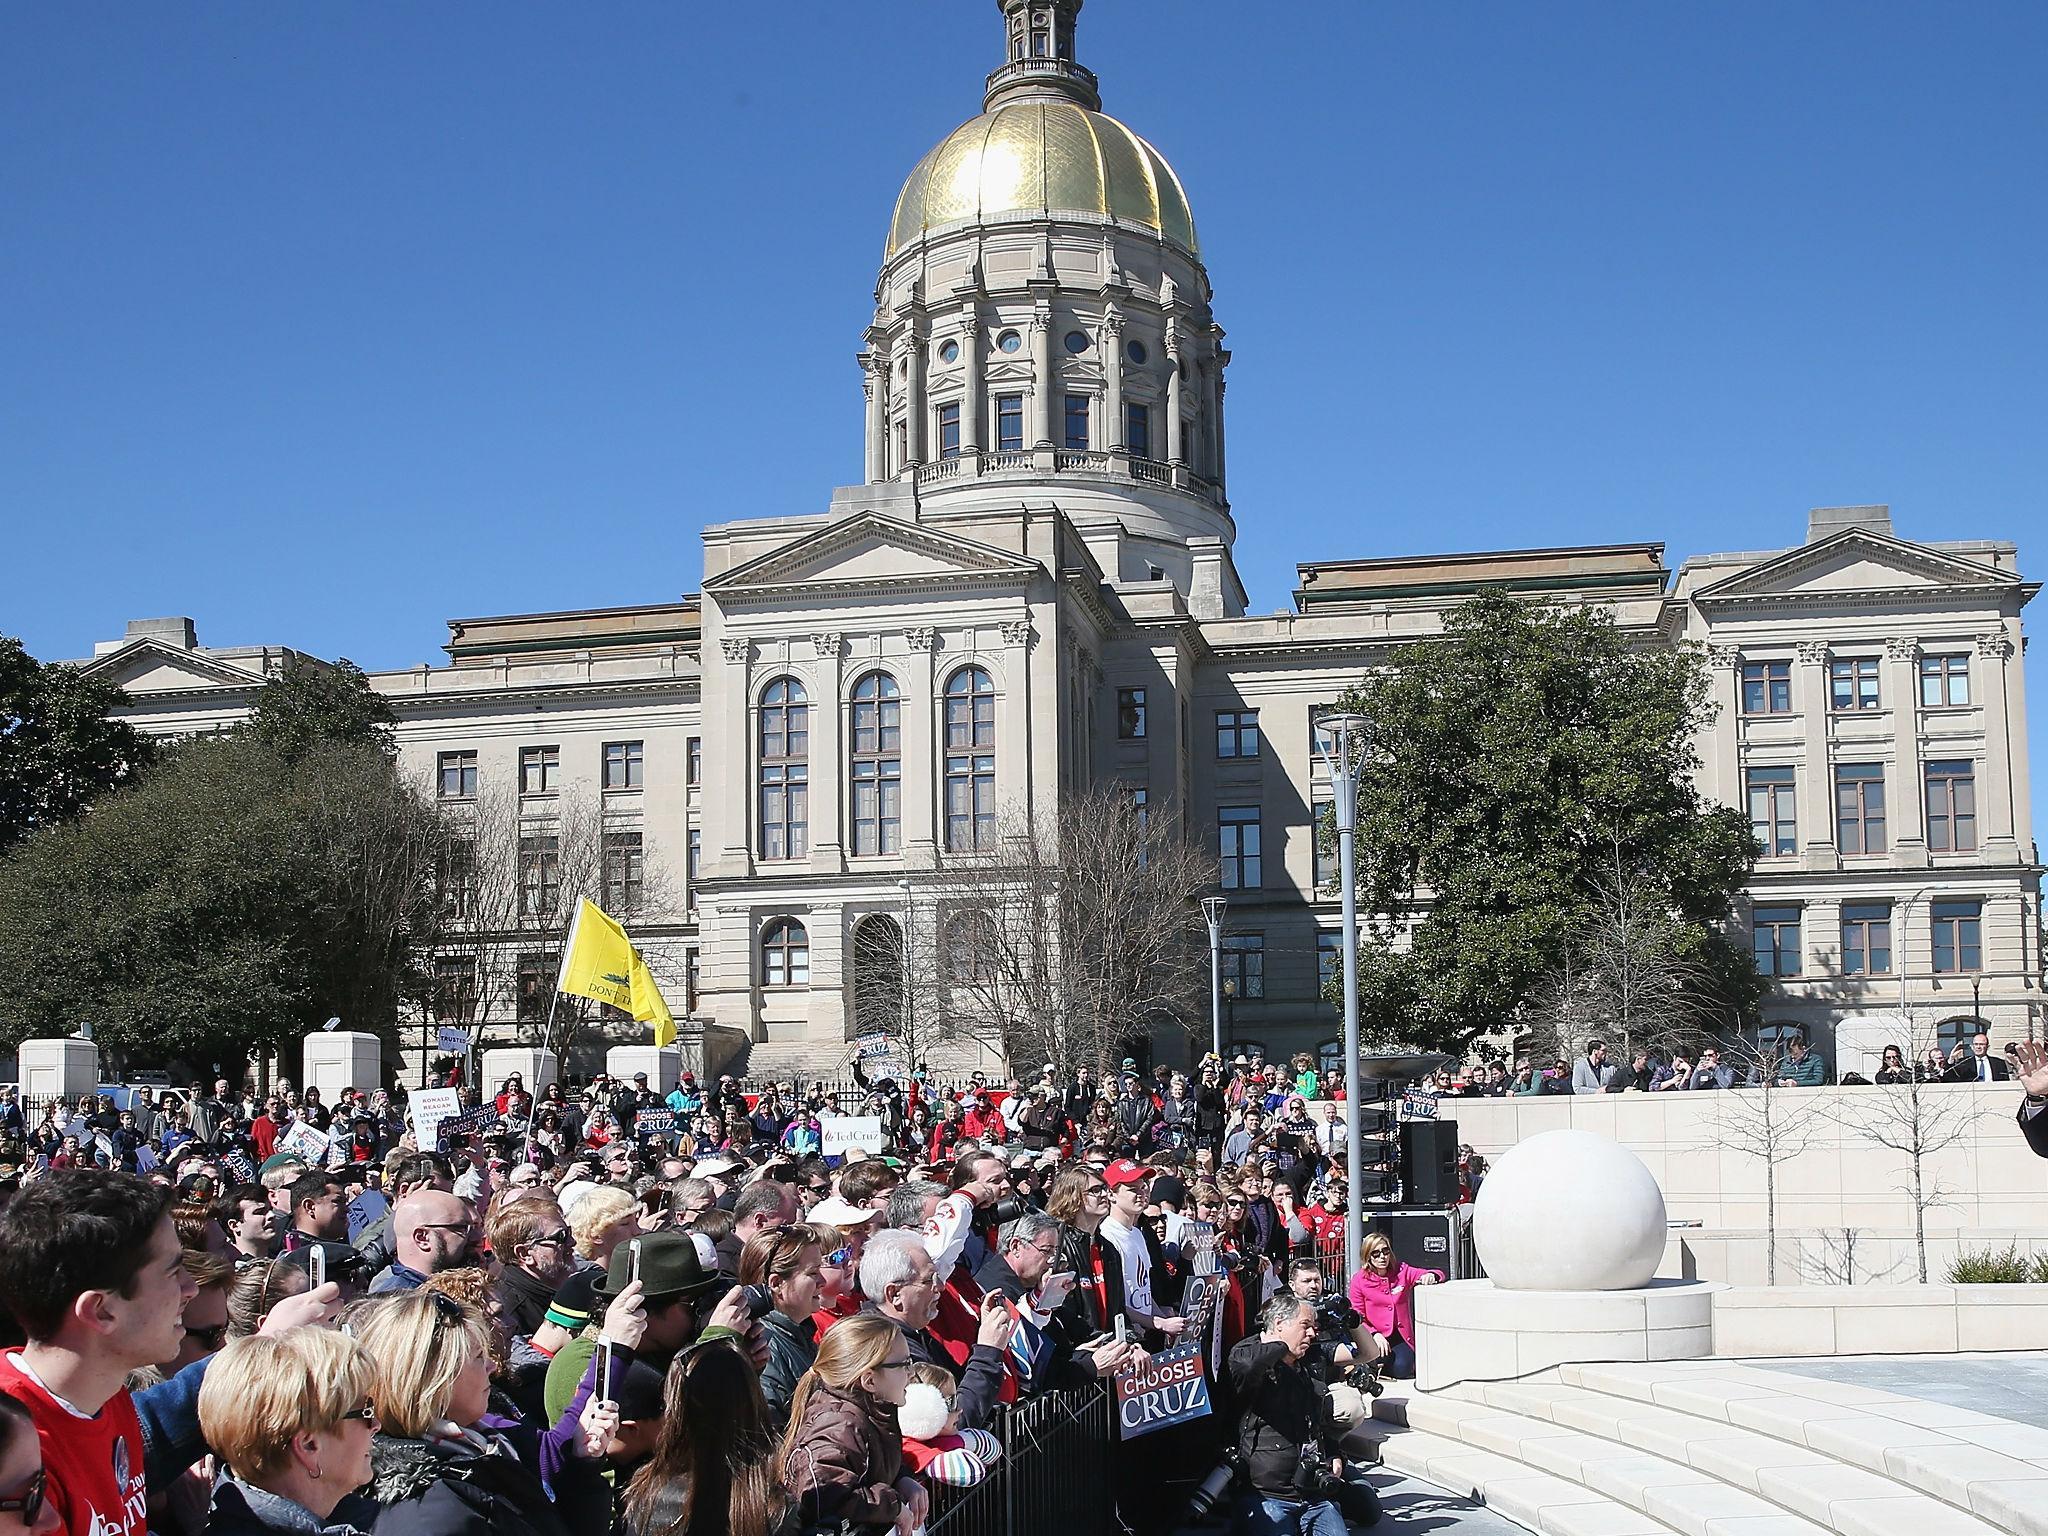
point(307, 1140)
point(454, 1040)
point(844, 1133)
point(428, 1107)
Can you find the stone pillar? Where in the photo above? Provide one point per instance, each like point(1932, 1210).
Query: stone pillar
point(335, 1059)
point(875, 387)
point(914, 344)
point(1112, 344)
point(1216, 470)
point(1176, 447)
point(1997, 786)
point(972, 404)
point(731, 802)
point(1042, 382)
point(923, 739)
point(1015, 724)
point(1904, 799)
point(1816, 777)
point(1722, 760)
point(827, 838)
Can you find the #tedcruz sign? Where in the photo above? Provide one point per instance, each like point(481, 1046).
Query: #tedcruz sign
point(1170, 1388)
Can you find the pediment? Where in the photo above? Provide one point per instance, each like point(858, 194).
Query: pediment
point(1859, 562)
point(873, 550)
point(146, 666)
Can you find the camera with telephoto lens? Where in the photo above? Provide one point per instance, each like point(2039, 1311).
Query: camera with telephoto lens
point(1335, 1316)
point(1005, 1211)
point(1202, 1502)
point(760, 1301)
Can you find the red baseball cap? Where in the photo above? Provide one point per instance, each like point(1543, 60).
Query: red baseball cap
point(1123, 1171)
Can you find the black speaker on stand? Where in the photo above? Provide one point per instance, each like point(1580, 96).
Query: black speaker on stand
point(1429, 1162)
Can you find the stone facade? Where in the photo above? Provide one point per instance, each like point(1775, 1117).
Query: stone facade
point(1034, 588)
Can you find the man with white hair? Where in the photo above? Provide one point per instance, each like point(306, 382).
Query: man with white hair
point(897, 1279)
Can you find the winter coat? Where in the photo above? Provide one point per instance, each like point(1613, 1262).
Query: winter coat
point(846, 1454)
point(792, 1347)
point(457, 1488)
point(1282, 1410)
point(240, 1509)
point(1387, 1302)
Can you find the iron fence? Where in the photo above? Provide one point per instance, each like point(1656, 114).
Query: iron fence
point(1053, 1478)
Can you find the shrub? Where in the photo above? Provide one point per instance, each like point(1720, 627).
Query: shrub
point(1995, 1266)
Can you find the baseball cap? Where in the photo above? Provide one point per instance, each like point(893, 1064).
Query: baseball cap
point(1123, 1171)
point(832, 1211)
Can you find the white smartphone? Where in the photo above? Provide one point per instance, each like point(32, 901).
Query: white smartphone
point(633, 1262)
point(1120, 1328)
point(316, 1266)
point(604, 1371)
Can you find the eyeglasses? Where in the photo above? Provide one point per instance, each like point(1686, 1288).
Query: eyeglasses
point(896, 1365)
point(29, 1501)
point(367, 1413)
point(839, 1256)
point(559, 1239)
point(211, 1338)
point(447, 1310)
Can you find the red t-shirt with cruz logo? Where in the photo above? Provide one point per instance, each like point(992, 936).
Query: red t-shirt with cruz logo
point(92, 1463)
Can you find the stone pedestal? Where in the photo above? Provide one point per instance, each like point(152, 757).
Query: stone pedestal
point(536, 1066)
point(1860, 1041)
point(1471, 1330)
point(342, 1058)
point(663, 1064)
point(65, 1067)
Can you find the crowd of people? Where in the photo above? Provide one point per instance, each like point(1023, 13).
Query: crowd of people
point(571, 1315)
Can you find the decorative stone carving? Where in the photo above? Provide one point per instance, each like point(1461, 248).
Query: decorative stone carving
point(826, 643)
point(735, 650)
point(922, 638)
point(1017, 632)
point(1812, 652)
point(1901, 647)
point(1996, 646)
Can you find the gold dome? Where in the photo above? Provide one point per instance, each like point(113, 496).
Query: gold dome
point(1044, 157)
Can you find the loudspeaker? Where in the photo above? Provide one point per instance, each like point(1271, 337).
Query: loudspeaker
point(1429, 1162)
point(1439, 1240)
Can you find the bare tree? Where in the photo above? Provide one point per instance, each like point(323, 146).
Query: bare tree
point(1916, 1119)
point(1762, 1118)
point(1062, 943)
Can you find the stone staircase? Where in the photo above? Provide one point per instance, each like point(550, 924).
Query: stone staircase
point(1717, 1448)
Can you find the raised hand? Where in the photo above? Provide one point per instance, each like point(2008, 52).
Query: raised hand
point(2033, 1064)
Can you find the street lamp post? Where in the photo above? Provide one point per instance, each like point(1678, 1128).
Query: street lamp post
point(1340, 739)
point(1212, 910)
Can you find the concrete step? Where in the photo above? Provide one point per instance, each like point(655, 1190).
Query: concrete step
point(1644, 1461)
point(1534, 1500)
point(1988, 1469)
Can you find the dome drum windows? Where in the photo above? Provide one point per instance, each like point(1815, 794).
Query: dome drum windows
point(784, 741)
point(970, 761)
point(1078, 342)
point(949, 351)
point(1009, 341)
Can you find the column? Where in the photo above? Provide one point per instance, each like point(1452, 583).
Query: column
point(1997, 785)
point(922, 729)
point(1216, 422)
point(1042, 376)
point(1017, 728)
point(1113, 373)
point(1723, 758)
point(1904, 797)
point(730, 759)
point(973, 405)
point(874, 385)
point(1176, 448)
point(1816, 774)
point(914, 342)
point(827, 767)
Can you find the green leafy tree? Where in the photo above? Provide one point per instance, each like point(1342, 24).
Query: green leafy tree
point(1511, 767)
point(311, 701)
point(59, 743)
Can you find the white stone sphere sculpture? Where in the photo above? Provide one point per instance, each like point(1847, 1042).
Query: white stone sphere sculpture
point(1569, 1211)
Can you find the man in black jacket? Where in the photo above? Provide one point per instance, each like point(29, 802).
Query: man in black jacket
point(1285, 1437)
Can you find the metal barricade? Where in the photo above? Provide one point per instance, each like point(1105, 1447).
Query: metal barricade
point(1053, 1478)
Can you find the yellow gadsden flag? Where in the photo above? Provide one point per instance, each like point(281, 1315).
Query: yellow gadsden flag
point(601, 963)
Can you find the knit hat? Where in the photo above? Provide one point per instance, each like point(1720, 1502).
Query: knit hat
point(575, 1300)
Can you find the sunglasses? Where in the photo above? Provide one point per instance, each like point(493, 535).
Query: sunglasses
point(367, 1413)
point(29, 1501)
point(840, 1255)
point(558, 1239)
point(210, 1338)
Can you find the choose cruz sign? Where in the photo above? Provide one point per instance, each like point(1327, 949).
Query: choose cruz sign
point(1170, 1388)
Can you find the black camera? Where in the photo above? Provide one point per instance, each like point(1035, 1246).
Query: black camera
point(1202, 1502)
point(1335, 1315)
point(1005, 1211)
point(759, 1299)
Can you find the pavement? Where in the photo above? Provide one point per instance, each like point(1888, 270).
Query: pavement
point(1409, 1506)
point(2012, 1386)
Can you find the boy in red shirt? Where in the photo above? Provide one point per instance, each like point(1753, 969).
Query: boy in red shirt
point(90, 1267)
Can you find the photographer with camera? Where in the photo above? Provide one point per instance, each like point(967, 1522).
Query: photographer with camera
point(1286, 1435)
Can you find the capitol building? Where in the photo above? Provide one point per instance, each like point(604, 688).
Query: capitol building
point(1032, 588)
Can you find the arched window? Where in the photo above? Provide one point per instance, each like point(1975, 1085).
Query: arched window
point(785, 770)
point(785, 954)
point(878, 975)
point(877, 765)
point(970, 760)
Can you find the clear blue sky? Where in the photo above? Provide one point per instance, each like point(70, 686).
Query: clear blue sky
point(325, 323)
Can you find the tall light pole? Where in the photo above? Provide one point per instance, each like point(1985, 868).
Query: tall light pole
point(1340, 740)
point(1212, 909)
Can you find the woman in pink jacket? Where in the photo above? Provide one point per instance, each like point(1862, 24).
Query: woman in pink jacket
point(1383, 1294)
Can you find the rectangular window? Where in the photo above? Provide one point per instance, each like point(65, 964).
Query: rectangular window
point(693, 976)
point(1329, 958)
point(540, 874)
point(1130, 714)
point(622, 763)
point(1077, 422)
point(693, 761)
point(1852, 683)
point(1776, 941)
point(1237, 834)
point(1138, 430)
point(877, 805)
point(1237, 733)
point(459, 879)
point(625, 871)
point(1958, 937)
point(1951, 807)
point(1322, 822)
point(458, 775)
point(1944, 680)
point(1859, 808)
point(540, 770)
point(1141, 808)
point(1771, 818)
point(949, 430)
point(1009, 423)
point(454, 989)
point(1767, 688)
point(693, 862)
point(1866, 938)
point(536, 978)
point(1243, 965)
point(902, 443)
point(970, 802)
